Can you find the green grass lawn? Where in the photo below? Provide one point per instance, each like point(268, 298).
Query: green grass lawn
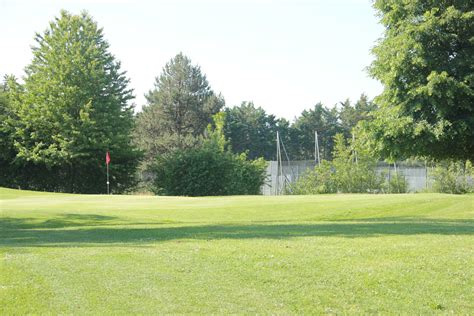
point(408, 254)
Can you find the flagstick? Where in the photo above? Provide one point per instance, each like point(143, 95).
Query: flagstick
point(108, 179)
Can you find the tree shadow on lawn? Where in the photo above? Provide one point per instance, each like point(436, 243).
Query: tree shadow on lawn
point(25, 233)
point(70, 221)
point(63, 221)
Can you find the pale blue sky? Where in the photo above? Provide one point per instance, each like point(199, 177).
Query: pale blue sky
point(283, 55)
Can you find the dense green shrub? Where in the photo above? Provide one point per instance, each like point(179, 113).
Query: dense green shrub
point(397, 183)
point(454, 177)
point(316, 181)
point(354, 167)
point(353, 170)
point(209, 169)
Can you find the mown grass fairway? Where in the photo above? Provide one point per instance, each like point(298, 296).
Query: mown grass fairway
point(406, 254)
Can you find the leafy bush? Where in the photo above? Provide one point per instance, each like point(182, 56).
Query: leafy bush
point(397, 183)
point(316, 181)
point(351, 171)
point(208, 170)
point(453, 177)
point(355, 167)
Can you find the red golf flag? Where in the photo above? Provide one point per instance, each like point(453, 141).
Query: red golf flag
point(107, 158)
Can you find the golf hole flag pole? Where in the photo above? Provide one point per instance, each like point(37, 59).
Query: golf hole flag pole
point(107, 161)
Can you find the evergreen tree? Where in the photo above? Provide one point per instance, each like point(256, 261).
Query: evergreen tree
point(250, 129)
point(322, 120)
point(182, 99)
point(350, 115)
point(178, 109)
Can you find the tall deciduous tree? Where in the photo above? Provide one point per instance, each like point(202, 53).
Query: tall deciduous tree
point(179, 108)
point(7, 153)
point(425, 62)
point(5, 142)
point(75, 107)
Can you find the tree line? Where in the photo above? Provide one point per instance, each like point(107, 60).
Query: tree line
point(75, 104)
point(251, 129)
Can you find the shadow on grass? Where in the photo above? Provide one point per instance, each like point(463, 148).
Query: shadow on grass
point(76, 230)
point(71, 221)
point(66, 220)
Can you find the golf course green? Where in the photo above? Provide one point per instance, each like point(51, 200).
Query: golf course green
point(322, 254)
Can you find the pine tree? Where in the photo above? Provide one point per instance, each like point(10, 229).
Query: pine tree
point(179, 108)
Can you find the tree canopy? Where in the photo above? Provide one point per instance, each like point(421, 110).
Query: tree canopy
point(75, 104)
point(73, 107)
point(178, 110)
point(350, 115)
point(425, 62)
point(250, 129)
point(320, 119)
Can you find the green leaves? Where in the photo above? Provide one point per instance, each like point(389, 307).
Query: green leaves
point(453, 177)
point(320, 119)
point(184, 98)
point(74, 107)
point(351, 171)
point(424, 61)
point(207, 170)
point(251, 130)
point(179, 108)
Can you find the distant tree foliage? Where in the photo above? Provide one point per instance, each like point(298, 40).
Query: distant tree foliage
point(73, 107)
point(251, 130)
point(320, 119)
point(178, 109)
point(350, 115)
point(425, 62)
point(353, 170)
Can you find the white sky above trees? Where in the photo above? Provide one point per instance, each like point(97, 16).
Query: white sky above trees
point(284, 55)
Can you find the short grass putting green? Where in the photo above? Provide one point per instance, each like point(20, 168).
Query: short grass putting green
point(335, 254)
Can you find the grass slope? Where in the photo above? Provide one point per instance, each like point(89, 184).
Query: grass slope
point(78, 254)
